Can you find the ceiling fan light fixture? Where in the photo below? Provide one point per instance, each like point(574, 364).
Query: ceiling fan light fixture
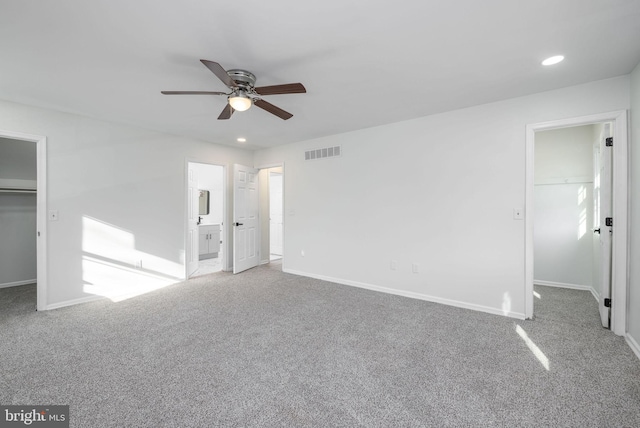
point(240, 102)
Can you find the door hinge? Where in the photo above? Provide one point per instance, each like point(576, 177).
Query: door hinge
point(607, 303)
point(608, 221)
point(609, 141)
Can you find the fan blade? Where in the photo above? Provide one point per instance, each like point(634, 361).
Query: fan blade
point(226, 113)
point(192, 93)
point(220, 72)
point(273, 109)
point(289, 88)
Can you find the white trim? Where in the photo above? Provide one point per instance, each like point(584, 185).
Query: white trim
point(588, 288)
point(620, 184)
point(41, 212)
point(17, 283)
point(562, 285)
point(633, 344)
point(74, 302)
point(410, 294)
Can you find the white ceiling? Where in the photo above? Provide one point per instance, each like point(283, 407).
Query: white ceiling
point(364, 63)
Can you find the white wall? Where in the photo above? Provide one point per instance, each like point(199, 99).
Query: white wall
point(438, 191)
point(120, 193)
point(17, 159)
point(563, 237)
point(634, 218)
point(17, 214)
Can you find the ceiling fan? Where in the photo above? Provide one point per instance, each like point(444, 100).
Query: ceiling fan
point(243, 91)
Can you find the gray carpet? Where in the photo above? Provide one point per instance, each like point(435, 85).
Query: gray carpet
point(268, 349)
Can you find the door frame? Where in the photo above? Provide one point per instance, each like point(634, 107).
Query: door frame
point(284, 202)
point(226, 247)
point(41, 212)
point(620, 206)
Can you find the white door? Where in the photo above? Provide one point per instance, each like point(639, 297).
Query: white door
point(192, 220)
point(275, 213)
point(603, 164)
point(246, 239)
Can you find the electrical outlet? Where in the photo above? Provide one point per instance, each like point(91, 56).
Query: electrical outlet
point(394, 265)
point(415, 268)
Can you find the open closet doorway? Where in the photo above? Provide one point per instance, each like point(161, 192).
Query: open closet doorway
point(23, 219)
point(572, 193)
point(205, 219)
point(576, 180)
point(272, 214)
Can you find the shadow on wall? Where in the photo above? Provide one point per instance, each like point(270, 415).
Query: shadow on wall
point(112, 266)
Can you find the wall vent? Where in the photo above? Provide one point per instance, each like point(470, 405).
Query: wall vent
point(327, 152)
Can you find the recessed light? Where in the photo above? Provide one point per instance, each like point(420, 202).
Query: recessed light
point(241, 140)
point(553, 60)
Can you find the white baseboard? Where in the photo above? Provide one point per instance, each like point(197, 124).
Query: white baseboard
point(411, 294)
point(570, 286)
point(17, 283)
point(73, 302)
point(633, 344)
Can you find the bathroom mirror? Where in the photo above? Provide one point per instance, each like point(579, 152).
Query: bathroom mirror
point(204, 202)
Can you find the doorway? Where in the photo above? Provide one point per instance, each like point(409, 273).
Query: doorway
point(570, 196)
point(205, 219)
point(275, 214)
point(272, 214)
point(23, 211)
point(584, 227)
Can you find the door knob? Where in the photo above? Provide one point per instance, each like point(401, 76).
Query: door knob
point(596, 231)
point(238, 224)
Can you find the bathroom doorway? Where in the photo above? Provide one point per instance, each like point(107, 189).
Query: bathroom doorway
point(205, 219)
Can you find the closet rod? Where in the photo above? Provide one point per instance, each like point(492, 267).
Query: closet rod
point(4, 190)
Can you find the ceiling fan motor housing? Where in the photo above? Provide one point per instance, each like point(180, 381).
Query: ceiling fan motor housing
point(242, 77)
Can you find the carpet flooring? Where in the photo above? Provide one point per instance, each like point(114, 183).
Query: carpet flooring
point(269, 349)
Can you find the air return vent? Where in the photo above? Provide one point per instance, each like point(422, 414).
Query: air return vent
point(327, 152)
